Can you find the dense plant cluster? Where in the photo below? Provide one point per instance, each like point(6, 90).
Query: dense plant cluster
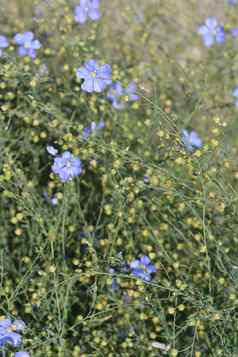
point(118, 180)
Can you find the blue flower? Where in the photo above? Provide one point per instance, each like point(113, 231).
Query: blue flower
point(27, 44)
point(8, 332)
point(67, 166)
point(235, 94)
point(119, 95)
point(234, 32)
point(191, 140)
point(87, 8)
point(22, 354)
point(96, 77)
point(232, 2)
point(143, 268)
point(212, 32)
point(93, 127)
point(3, 44)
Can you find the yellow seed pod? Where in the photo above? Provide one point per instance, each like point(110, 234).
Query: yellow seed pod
point(36, 122)
point(181, 206)
point(93, 164)
point(164, 227)
point(214, 143)
point(36, 138)
point(19, 216)
point(173, 353)
point(198, 153)
point(52, 269)
point(179, 161)
point(217, 120)
point(18, 232)
point(76, 261)
point(221, 281)
point(119, 242)
point(152, 255)
point(43, 135)
point(33, 83)
point(14, 220)
point(216, 317)
point(154, 180)
point(47, 51)
point(145, 232)
point(171, 310)
point(156, 320)
point(71, 229)
point(108, 209)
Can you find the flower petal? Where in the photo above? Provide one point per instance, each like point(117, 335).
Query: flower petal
point(22, 354)
point(208, 40)
point(211, 23)
point(80, 15)
point(94, 14)
point(88, 86)
point(82, 73)
point(5, 323)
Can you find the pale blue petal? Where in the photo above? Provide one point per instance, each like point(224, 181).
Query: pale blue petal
point(208, 40)
point(94, 14)
point(91, 65)
point(135, 264)
point(81, 16)
point(82, 73)
point(211, 23)
point(88, 86)
point(22, 354)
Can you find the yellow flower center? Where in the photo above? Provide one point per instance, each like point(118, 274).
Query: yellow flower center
point(27, 44)
point(94, 74)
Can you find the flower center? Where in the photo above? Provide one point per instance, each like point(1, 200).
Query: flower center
point(94, 74)
point(126, 98)
point(143, 267)
point(69, 164)
point(27, 44)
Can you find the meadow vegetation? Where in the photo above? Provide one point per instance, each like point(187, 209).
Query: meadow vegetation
point(118, 178)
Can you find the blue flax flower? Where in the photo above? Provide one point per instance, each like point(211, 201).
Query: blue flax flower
point(143, 268)
point(67, 166)
point(234, 31)
point(3, 44)
point(191, 140)
point(212, 32)
point(92, 128)
point(232, 2)
point(96, 77)
point(235, 94)
point(27, 44)
point(87, 8)
point(22, 354)
point(9, 332)
point(119, 95)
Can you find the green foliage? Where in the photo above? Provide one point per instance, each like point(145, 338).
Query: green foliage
point(65, 268)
